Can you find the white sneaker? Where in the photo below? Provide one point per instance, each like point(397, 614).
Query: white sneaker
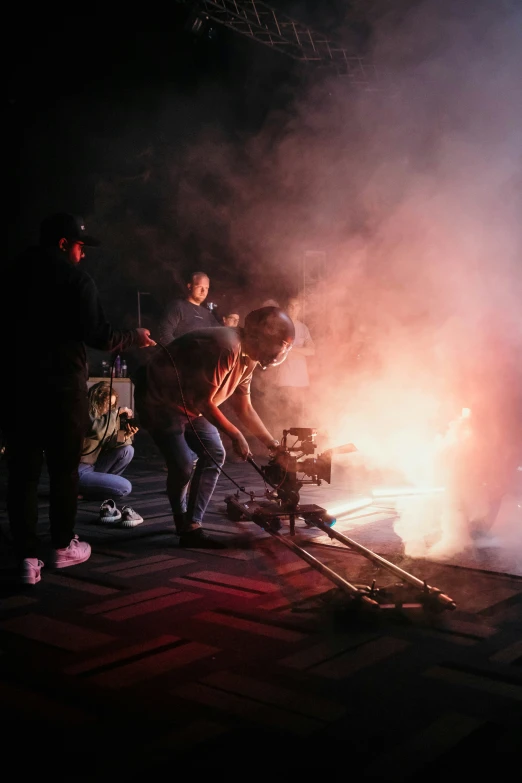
point(30, 571)
point(77, 552)
point(109, 514)
point(129, 517)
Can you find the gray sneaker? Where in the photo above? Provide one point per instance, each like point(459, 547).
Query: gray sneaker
point(77, 552)
point(129, 517)
point(109, 514)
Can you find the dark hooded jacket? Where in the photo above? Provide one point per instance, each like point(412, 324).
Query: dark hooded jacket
point(51, 311)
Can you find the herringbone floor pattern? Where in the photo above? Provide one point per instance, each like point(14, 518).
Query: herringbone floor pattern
point(148, 659)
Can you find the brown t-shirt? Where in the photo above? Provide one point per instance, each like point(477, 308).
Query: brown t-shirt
point(202, 364)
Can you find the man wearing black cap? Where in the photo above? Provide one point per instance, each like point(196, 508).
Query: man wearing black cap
point(178, 396)
point(55, 311)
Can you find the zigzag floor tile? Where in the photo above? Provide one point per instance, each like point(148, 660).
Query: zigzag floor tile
point(155, 659)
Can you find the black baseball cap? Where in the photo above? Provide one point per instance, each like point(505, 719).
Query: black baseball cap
point(72, 227)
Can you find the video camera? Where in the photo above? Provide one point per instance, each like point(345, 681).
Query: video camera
point(288, 469)
point(126, 422)
point(288, 461)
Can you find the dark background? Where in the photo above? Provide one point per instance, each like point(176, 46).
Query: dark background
point(103, 111)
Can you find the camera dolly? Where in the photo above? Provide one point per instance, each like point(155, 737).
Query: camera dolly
point(281, 503)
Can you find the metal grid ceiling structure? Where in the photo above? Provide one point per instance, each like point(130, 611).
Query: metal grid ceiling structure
point(265, 24)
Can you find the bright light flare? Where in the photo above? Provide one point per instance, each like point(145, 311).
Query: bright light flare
point(342, 509)
point(402, 492)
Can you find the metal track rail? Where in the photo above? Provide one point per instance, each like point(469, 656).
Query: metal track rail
point(433, 592)
point(341, 582)
point(268, 515)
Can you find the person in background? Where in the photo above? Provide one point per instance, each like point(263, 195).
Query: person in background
point(230, 317)
point(262, 391)
point(183, 315)
point(291, 381)
point(58, 313)
point(107, 451)
point(178, 395)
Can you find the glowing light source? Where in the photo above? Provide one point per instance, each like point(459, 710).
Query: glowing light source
point(349, 507)
point(399, 492)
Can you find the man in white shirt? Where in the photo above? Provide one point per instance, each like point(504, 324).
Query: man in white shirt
point(291, 381)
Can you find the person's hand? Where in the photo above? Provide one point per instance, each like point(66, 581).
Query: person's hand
point(125, 434)
point(273, 447)
point(241, 447)
point(128, 411)
point(144, 340)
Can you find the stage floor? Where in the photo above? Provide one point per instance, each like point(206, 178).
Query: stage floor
point(149, 659)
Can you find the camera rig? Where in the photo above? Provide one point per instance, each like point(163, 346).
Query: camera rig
point(289, 469)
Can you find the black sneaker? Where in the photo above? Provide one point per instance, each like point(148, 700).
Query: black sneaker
point(197, 539)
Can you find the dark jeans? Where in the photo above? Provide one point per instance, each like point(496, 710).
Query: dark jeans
point(189, 464)
point(103, 479)
point(54, 431)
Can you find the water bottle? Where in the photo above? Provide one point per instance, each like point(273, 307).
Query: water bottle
point(123, 369)
point(105, 369)
point(117, 367)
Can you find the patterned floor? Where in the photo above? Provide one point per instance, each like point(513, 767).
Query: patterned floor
point(148, 659)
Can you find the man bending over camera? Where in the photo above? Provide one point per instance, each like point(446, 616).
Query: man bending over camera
point(178, 394)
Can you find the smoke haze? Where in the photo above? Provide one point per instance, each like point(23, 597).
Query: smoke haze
point(413, 194)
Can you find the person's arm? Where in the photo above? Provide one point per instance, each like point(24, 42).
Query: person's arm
point(305, 347)
point(125, 434)
point(100, 434)
point(169, 323)
point(212, 413)
point(248, 416)
point(111, 440)
point(214, 320)
point(98, 429)
point(94, 329)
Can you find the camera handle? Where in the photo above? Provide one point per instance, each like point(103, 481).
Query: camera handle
point(260, 471)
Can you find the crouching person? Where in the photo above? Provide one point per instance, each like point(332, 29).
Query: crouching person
point(107, 452)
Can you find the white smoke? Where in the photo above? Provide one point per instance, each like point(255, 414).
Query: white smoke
point(413, 194)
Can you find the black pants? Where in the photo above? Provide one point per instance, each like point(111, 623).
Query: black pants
point(54, 430)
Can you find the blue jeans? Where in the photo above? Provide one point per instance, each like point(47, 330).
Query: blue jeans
point(189, 465)
point(103, 479)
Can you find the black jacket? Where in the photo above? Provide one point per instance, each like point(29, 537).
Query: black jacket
point(50, 311)
point(181, 317)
